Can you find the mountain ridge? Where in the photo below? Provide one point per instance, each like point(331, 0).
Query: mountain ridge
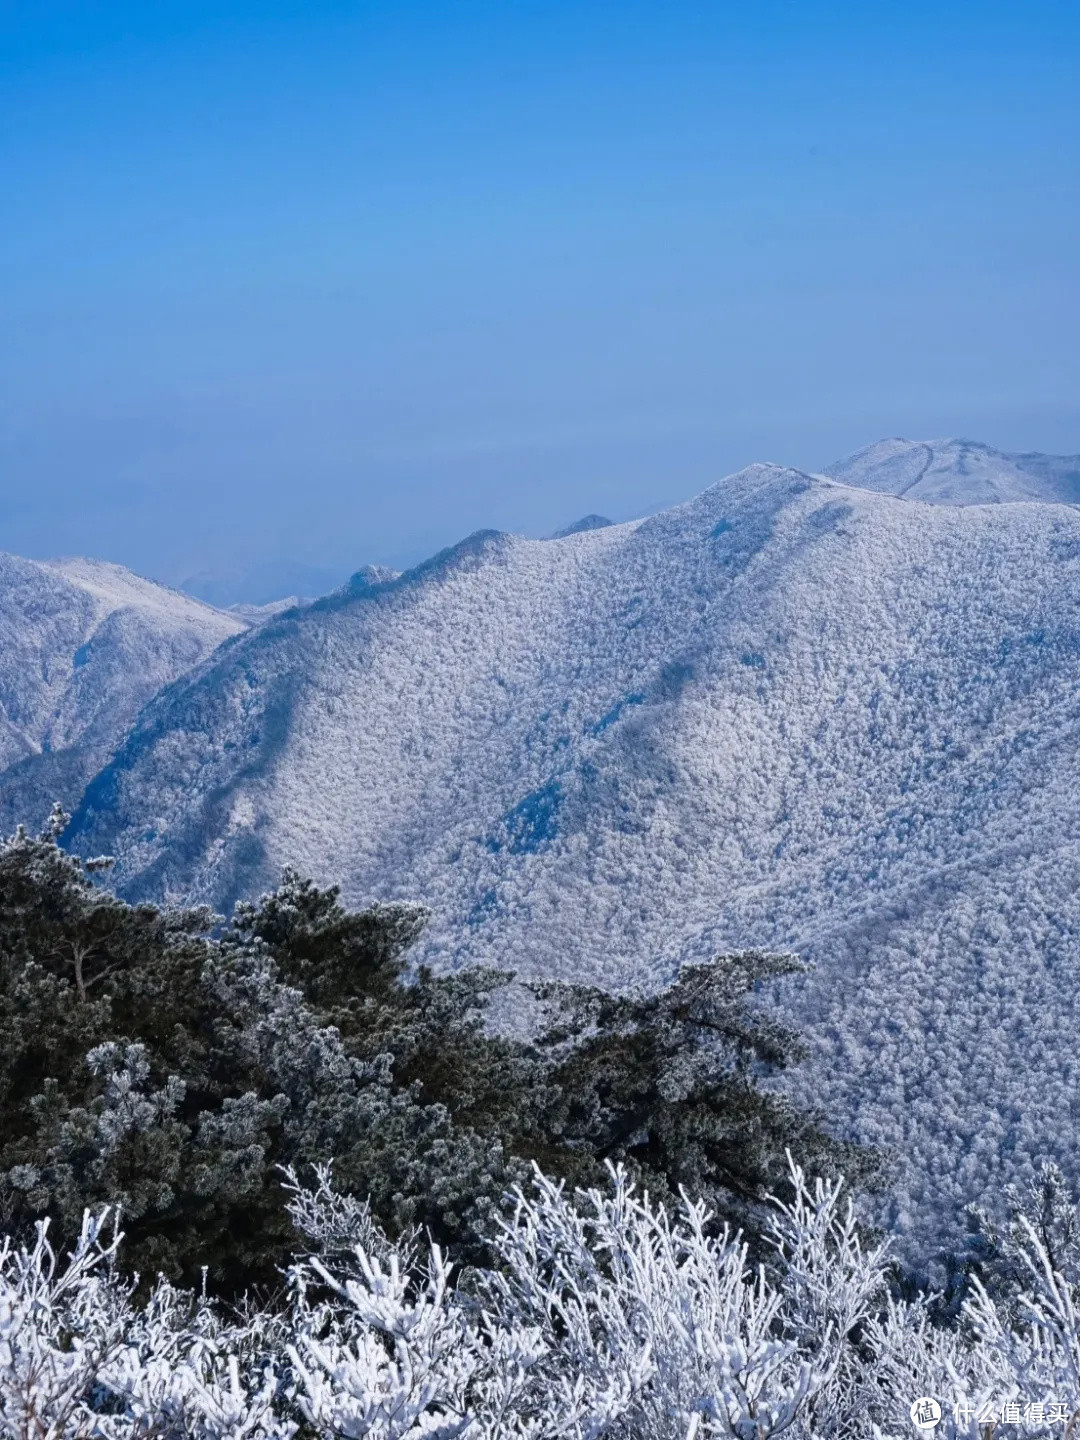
point(960, 472)
point(790, 712)
point(83, 645)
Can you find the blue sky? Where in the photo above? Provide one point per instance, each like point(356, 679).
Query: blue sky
point(343, 282)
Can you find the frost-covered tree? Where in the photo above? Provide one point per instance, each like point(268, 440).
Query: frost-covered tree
point(151, 1067)
point(996, 1247)
point(169, 1064)
point(80, 1359)
point(670, 1084)
point(609, 1316)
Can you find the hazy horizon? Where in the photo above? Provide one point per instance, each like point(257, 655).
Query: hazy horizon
point(339, 284)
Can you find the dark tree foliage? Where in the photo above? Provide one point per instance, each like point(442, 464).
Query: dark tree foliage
point(160, 1060)
point(670, 1084)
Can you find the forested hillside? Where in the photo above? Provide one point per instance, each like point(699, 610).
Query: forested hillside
point(789, 714)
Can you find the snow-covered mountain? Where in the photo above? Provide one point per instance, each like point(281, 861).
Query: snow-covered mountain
point(959, 472)
point(587, 522)
point(790, 713)
point(83, 646)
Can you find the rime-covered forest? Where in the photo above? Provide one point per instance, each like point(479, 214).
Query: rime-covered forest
point(801, 713)
point(645, 1092)
point(264, 1176)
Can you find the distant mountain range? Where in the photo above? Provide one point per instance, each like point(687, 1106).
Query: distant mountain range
point(959, 472)
point(587, 522)
point(796, 712)
point(258, 585)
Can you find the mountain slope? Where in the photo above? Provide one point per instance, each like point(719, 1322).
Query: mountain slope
point(789, 713)
point(959, 472)
point(83, 646)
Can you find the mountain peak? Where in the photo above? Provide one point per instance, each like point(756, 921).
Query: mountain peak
point(84, 644)
point(587, 522)
point(367, 577)
point(956, 471)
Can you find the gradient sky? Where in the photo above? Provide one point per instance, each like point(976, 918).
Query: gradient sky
point(343, 282)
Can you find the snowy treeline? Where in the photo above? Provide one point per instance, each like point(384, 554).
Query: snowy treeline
point(605, 1317)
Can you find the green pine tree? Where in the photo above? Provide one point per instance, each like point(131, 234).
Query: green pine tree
point(161, 1060)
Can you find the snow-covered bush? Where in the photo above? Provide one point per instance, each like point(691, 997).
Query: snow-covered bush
point(608, 1316)
point(79, 1358)
point(671, 1328)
